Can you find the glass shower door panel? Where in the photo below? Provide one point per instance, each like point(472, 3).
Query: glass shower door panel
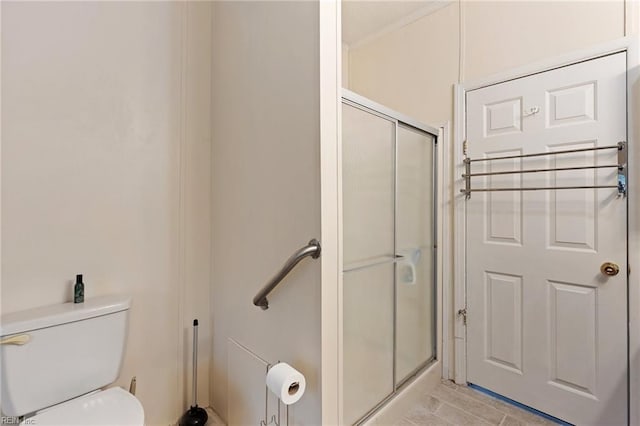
point(368, 339)
point(367, 186)
point(415, 283)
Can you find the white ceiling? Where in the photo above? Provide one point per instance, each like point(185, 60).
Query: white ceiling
point(366, 19)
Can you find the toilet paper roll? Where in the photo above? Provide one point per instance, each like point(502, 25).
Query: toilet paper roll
point(286, 382)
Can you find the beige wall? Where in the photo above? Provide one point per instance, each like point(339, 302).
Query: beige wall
point(266, 190)
point(345, 65)
point(503, 35)
point(414, 68)
point(411, 69)
point(105, 172)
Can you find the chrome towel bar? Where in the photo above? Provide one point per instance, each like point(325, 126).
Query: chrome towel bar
point(539, 154)
point(312, 249)
point(621, 147)
point(557, 169)
point(543, 188)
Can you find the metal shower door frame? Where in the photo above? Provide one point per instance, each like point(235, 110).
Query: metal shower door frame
point(400, 120)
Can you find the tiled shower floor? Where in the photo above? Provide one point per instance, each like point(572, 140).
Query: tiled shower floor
point(451, 404)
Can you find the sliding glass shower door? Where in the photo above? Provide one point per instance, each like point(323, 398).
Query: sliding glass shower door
point(415, 242)
point(388, 255)
point(368, 205)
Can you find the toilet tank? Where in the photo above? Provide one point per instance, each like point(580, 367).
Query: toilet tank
point(68, 350)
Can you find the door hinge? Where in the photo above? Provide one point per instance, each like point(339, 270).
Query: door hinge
point(463, 313)
point(464, 148)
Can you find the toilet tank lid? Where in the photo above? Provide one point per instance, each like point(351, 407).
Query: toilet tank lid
point(62, 313)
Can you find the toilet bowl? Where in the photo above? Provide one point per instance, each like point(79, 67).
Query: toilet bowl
point(58, 361)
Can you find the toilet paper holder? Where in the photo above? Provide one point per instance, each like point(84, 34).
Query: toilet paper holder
point(275, 419)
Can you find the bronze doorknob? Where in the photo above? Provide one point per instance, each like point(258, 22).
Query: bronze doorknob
point(609, 268)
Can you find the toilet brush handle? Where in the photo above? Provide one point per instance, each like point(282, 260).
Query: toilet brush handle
point(195, 362)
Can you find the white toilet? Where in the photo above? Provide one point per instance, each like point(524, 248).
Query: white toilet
point(55, 360)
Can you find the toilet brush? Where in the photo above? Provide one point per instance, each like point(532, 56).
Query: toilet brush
point(195, 416)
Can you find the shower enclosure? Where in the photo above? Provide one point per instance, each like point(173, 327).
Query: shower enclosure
point(389, 285)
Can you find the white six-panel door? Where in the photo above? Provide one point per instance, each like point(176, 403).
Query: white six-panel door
point(545, 326)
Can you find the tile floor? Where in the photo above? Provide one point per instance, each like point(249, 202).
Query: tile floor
point(214, 419)
point(450, 404)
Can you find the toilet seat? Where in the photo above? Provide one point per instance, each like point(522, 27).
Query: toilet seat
point(110, 407)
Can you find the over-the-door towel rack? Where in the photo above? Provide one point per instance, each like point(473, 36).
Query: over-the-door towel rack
point(621, 147)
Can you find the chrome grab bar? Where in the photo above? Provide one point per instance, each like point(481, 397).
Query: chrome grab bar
point(312, 249)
